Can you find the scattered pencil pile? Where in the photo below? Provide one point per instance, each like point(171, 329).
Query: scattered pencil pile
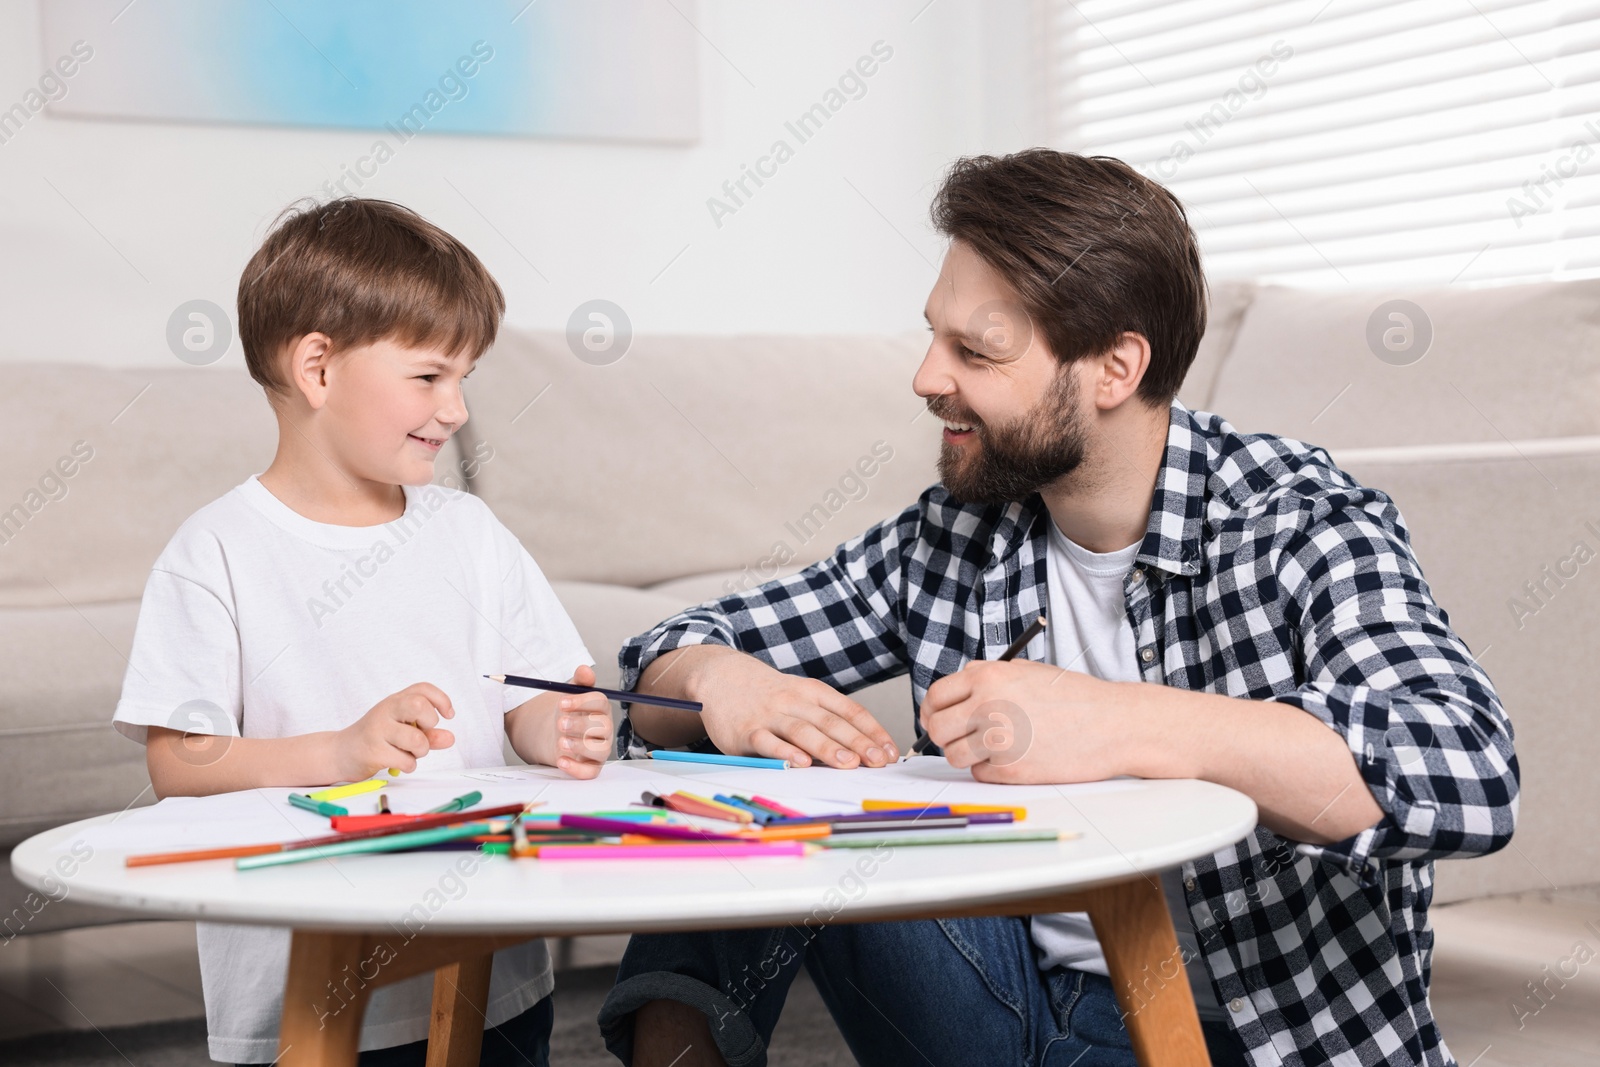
point(679, 825)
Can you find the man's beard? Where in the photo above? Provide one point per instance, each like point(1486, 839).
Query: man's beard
point(1012, 461)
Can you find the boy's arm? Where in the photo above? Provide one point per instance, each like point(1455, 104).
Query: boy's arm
point(396, 732)
point(572, 733)
point(197, 765)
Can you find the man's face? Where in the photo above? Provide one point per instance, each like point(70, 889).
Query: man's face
point(1013, 414)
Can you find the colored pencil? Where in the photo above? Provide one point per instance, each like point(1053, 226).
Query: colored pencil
point(722, 850)
point(768, 808)
point(387, 843)
point(1013, 650)
point(739, 814)
point(417, 822)
point(781, 809)
point(610, 694)
point(620, 826)
point(872, 826)
point(1017, 813)
point(759, 814)
point(685, 806)
point(718, 759)
point(862, 816)
point(998, 837)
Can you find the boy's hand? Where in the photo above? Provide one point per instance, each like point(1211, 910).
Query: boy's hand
point(583, 729)
point(399, 730)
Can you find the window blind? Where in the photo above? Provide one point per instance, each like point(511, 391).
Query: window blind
point(1334, 142)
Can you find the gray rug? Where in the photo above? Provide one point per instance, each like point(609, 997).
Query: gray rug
point(805, 1038)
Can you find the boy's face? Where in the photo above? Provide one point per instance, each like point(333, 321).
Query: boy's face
point(392, 408)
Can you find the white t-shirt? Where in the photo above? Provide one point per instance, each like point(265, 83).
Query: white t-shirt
point(1089, 632)
point(257, 621)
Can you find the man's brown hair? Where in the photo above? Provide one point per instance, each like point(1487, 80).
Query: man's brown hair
point(361, 271)
point(1092, 248)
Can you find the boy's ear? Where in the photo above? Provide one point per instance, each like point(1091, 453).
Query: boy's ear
point(309, 356)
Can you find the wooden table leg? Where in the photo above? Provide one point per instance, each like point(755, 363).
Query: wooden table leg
point(1141, 948)
point(460, 997)
point(321, 1024)
point(332, 975)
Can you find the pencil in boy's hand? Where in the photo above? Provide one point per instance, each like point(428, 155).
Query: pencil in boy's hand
point(1013, 650)
point(610, 694)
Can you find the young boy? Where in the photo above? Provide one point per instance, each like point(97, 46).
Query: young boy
point(334, 616)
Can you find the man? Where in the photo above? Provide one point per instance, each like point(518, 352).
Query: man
point(1223, 606)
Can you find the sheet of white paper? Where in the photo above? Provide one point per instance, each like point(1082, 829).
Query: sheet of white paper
point(260, 816)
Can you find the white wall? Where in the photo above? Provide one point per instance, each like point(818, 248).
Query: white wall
point(105, 227)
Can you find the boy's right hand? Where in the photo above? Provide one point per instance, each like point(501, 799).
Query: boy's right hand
point(399, 730)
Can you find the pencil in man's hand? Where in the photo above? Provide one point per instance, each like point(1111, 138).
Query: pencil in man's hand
point(1013, 650)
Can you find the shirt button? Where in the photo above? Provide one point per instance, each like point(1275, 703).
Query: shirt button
point(1138, 574)
point(1236, 1005)
point(1188, 883)
point(1147, 654)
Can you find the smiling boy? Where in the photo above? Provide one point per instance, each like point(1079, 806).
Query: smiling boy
point(327, 618)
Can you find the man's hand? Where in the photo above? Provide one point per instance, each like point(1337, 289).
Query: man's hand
point(1024, 722)
point(399, 730)
point(583, 729)
point(752, 709)
point(1019, 722)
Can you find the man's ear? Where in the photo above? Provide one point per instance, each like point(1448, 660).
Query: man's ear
point(309, 356)
point(1119, 370)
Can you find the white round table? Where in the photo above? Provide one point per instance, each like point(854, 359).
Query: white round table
point(449, 911)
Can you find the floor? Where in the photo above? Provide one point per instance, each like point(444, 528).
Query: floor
point(1516, 982)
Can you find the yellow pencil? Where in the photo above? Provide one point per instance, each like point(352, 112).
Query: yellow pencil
point(955, 809)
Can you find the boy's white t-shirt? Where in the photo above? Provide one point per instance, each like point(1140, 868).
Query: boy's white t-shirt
point(259, 622)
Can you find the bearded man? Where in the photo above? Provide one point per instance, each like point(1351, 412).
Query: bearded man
point(1223, 606)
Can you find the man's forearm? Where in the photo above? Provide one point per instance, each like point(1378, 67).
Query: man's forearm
point(197, 765)
point(674, 674)
point(1301, 774)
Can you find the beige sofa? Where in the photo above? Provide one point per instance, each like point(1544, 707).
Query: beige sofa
point(698, 464)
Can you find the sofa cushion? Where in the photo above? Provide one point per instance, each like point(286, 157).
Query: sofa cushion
point(60, 759)
point(1501, 548)
point(1228, 302)
point(694, 454)
point(145, 449)
point(1512, 363)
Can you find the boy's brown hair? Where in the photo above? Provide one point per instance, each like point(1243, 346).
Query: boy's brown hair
point(1093, 249)
point(360, 271)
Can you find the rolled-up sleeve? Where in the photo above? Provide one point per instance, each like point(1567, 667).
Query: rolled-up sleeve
point(1383, 668)
point(839, 621)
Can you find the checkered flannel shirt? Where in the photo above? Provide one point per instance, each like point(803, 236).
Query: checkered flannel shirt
point(1265, 573)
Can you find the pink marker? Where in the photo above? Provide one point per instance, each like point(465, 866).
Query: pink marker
point(671, 852)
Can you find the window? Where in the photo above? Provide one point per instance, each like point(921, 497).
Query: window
point(1361, 142)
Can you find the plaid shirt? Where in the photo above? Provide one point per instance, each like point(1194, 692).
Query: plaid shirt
point(1265, 573)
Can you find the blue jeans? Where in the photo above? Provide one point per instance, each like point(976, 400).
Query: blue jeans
point(946, 991)
point(520, 1041)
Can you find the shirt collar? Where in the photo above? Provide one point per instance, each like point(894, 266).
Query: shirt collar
point(1177, 507)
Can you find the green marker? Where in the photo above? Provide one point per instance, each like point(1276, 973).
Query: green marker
point(321, 807)
point(460, 803)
